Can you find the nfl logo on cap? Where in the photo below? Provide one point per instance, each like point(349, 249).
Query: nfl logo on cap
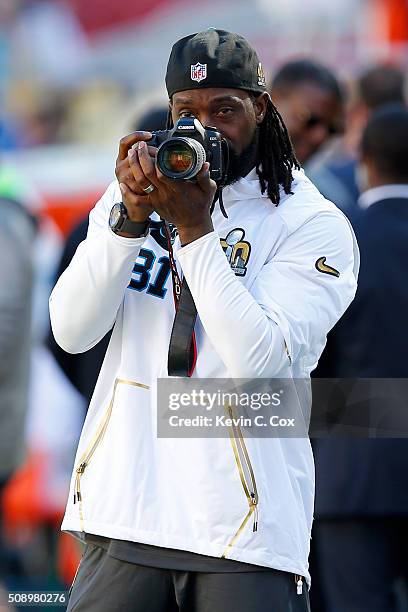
point(198, 72)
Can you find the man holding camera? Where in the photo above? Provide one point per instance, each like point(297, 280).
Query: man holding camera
point(259, 266)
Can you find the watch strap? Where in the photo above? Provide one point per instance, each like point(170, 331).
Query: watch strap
point(138, 229)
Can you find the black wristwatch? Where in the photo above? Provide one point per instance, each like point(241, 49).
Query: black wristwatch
point(120, 222)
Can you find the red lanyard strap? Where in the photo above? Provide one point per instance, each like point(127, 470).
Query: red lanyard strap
point(182, 354)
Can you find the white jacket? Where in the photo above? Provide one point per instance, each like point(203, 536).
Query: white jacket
point(266, 316)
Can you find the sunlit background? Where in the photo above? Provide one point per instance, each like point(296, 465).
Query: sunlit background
point(75, 76)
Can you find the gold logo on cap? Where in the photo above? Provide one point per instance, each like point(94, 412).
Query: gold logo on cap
point(261, 75)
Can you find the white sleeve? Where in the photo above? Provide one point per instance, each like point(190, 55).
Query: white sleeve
point(85, 301)
point(289, 308)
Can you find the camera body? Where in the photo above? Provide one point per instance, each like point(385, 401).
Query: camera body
point(183, 150)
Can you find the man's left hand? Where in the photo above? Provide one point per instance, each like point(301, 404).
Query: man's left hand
point(186, 204)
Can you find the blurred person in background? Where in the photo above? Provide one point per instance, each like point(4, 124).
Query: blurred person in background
point(375, 87)
point(17, 231)
point(82, 369)
point(31, 502)
point(338, 177)
point(311, 102)
point(362, 485)
point(341, 180)
point(40, 34)
point(43, 51)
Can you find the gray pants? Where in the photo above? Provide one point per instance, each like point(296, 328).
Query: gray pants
point(105, 584)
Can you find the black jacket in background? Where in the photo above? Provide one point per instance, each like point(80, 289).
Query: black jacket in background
point(81, 369)
point(369, 477)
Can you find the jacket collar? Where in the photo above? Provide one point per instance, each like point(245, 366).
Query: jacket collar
point(248, 187)
point(384, 192)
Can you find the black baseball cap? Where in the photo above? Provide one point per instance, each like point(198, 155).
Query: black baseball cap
point(214, 58)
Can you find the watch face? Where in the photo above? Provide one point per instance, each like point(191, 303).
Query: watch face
point(115, 215)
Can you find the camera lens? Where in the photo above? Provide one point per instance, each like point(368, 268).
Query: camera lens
point(181, 158)
point(178, 158)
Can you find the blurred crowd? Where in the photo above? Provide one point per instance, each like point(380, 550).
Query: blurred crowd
point(52, 89)
point(351, 137)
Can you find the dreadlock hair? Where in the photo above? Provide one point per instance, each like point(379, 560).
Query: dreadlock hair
point(275, 158)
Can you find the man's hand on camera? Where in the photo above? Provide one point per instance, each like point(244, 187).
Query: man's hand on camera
point(186, 204)
point(134, 198)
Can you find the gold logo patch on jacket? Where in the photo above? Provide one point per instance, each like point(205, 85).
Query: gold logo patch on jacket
point(237, 250)
point(321, 266)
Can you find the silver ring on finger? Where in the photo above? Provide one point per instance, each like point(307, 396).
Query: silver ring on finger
point(148, 189)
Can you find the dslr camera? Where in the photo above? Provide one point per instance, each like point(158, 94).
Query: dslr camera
point(183, 150)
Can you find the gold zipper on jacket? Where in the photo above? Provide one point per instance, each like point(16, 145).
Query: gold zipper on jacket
point(93, 445)
point(247, 477)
